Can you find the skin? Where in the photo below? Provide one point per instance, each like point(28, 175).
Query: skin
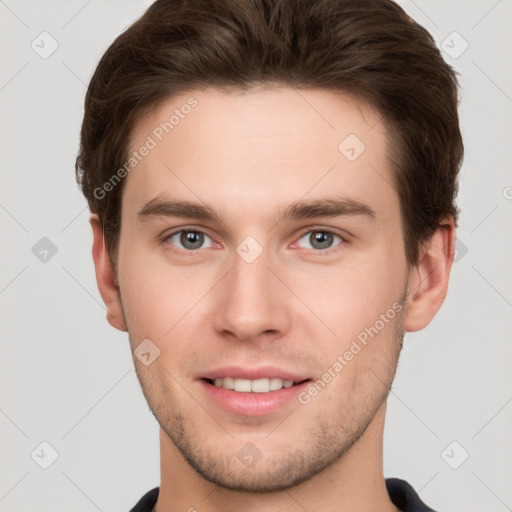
point(249, 155)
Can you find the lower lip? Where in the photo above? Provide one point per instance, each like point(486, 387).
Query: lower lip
point(252, 404)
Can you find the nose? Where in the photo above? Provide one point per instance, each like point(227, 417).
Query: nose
point(252, 300)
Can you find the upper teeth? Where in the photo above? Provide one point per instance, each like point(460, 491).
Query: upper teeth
point(256, 386)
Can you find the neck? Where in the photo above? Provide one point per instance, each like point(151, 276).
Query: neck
point(354, 483)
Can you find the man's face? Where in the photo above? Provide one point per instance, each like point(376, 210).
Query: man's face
point(255, 295)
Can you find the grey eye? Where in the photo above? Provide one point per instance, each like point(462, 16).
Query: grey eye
point(320, 239)
point(189, 240)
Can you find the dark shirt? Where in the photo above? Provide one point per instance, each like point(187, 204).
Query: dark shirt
point(401, 493)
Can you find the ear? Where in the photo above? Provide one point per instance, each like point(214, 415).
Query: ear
point(428, 280)
point(105, 276)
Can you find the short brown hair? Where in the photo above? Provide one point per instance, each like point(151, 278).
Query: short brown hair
point(369, 49)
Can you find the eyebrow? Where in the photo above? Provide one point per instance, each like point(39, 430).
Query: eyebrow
point(295, 211)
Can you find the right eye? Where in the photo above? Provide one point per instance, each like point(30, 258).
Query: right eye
point(189, 239)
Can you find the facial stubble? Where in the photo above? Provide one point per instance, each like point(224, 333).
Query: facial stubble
point(329, 439)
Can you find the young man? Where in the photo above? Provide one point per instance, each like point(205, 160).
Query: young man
point(272, 187)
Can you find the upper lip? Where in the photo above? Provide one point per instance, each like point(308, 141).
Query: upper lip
point(263, 372)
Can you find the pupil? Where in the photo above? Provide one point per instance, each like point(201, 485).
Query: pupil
point(324, 239)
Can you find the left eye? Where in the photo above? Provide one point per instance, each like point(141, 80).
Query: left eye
point(190, 240)
point(320, 239)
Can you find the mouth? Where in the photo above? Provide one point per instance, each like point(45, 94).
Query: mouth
point(252, 392)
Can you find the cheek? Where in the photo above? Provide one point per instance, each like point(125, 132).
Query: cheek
point(160, 297)
point(361, 303)
point(350, 297)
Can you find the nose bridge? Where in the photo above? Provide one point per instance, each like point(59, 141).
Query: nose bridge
point(251, 301)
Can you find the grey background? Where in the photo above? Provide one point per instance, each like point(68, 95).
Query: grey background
point(67, 377)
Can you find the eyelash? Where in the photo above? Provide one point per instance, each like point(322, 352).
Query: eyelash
point(315, 252)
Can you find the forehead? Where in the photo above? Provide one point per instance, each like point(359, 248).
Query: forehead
point(254, 149)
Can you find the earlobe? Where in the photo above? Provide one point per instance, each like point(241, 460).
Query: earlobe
point(428, 281)
point(105, 276)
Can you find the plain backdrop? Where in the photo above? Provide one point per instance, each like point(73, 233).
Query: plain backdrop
point(67, 377)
